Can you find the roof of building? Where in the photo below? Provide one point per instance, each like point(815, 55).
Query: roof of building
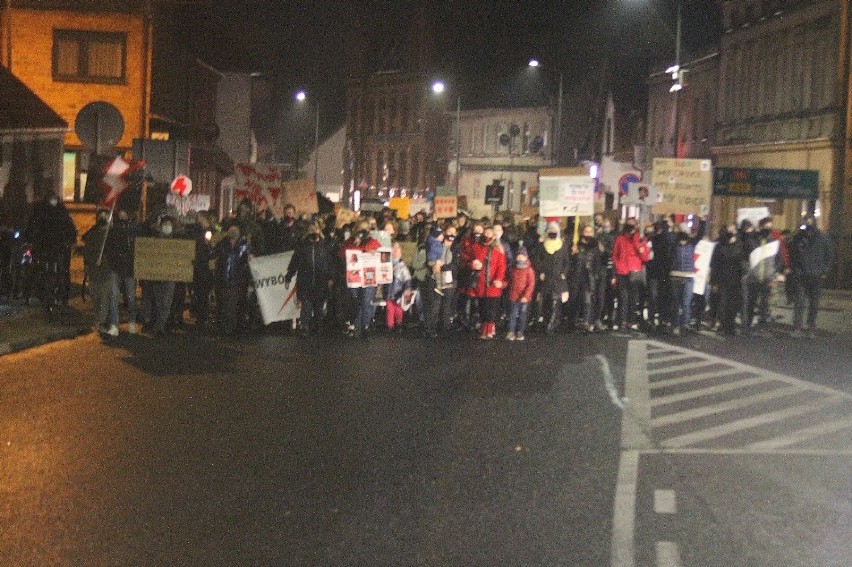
point(22, 109)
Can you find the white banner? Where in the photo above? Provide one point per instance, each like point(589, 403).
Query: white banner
point(368, 269)
point(703, 255)
point(190, 204)
point(568, 196)
point(761, 253)
point(276, 299)
point(641, 195)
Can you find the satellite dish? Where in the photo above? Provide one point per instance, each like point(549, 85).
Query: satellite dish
point(536, 144)
point(504, 139)
point(514, 130)
point(99, 125)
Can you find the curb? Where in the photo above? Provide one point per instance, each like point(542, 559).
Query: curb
point(66, 334)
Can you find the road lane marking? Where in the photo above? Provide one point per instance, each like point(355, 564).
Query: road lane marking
point(748, 423)
point(703, 411)
point(803, 434)
point(668, 554)
point(665, 502)
point(609, 383)
point(689, 379)
point(624, 516)
point(681, 367)
point(712, 390)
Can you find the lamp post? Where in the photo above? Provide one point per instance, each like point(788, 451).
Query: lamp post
point(677, 73)
point(438, 87)
point(301, 96)
point(557, 138)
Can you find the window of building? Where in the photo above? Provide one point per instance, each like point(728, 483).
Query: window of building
point(92, 57)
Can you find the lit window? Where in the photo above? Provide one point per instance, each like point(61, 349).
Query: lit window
point(90, 57)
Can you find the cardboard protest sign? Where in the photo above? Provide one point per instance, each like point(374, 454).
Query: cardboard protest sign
point(686, 185)
point(276, 299)
point(302, 195)
point(402, 206)
point(446, 207)
point(164, 259)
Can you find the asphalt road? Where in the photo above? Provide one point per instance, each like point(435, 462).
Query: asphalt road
point(279, 450)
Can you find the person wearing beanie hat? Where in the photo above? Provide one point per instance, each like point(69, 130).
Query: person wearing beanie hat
point(521, 292)
point(554, 264)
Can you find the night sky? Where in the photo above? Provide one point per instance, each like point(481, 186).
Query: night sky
point(485, 43)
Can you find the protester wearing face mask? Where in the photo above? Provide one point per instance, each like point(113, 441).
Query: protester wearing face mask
point(467, 306)
point(51, 234)
point(812, 256)
point(362, 308)
point(683, 274)
point(629, 254)
point(762, 263)
point(313, 267)
point(489, 264)
point(588, 272)
point(726, 278)
point(119, 253)
point(158, 296)
point(99, 272)
point(553, 266)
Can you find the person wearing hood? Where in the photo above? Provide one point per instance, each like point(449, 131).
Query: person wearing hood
point(811, 257)
point(362, 298)
point(762, 262)
point(52, 235)
point(588, 271)
point(629, 254)
point(489, 264)
point(658, 270)
point(312, 265)
point(521, 292)
point(726, 278)
point(553, 266)
point(683, 274)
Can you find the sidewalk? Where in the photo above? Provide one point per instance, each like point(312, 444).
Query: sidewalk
point(23, 327)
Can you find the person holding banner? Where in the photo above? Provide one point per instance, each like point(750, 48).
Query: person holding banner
point(99, 272)
point(362, 297)
point(762, 262)
point(313, 266)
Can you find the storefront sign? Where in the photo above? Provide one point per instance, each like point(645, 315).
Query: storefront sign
point(766, 183)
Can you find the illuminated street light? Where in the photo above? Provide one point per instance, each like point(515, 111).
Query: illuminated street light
point(301, 96)
point(534, 63)
point(438, 87)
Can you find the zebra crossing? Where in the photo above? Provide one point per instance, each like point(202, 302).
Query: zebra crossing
point(685, 400)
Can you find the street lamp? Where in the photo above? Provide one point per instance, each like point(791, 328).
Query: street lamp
point(438, 87)
point(557, 138)
point(301, 97)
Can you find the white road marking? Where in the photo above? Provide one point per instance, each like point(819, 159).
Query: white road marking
point(804, 434)
point(748, 423)
point(703, 411)
point(668, 554)
point(712, 390)
point(665, 502)
point(623, 525)
point(680, 367)
point(609, 383)
point(689, 379)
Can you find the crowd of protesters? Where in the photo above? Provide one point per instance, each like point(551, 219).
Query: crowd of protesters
point(492, 277)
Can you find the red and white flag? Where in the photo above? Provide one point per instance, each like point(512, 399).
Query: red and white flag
point(115, 179)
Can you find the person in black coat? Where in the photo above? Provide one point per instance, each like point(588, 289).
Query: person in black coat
point(313, 265)
point(52, 234)
point(587, 273)
point(658, 271)
point(812, 255)
point(553, 266)
point(726, 274)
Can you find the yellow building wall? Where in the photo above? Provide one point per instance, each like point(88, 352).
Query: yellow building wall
point(32, 63)
point(816, 155)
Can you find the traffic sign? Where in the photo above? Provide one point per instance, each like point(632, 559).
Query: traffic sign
point(182, 185)
point(494, 193)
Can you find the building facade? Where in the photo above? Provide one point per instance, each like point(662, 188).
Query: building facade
point(504, 145)
point(783, 104)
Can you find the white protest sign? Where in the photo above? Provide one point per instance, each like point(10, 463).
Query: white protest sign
point(276, 299)
point(189, 204)
point(260, 182)
point(368, 269)
point(641, 195)
point(703, 255)
point(752, 214)
point(566, 196)
point(761, 253)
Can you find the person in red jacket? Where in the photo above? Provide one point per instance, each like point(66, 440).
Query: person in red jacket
point(363, 309)
point(489, 267)
point(629, 254)
point(521, 290)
